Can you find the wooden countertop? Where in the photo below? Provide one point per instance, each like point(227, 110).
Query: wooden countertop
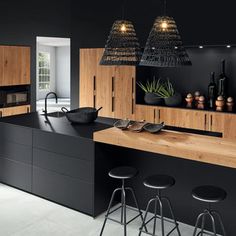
point(213, 150)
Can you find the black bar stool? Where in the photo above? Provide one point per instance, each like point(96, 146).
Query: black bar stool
point(123, 173)
point(209, 194)
point(159, 183)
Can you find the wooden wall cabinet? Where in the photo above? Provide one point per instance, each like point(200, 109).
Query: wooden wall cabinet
point(113, 88)
point(185, 118)
point(110, 87)
point(11, 111)
point(14, 65)
point(147, 113)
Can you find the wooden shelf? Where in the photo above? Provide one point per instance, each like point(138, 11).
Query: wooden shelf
point(212, 150)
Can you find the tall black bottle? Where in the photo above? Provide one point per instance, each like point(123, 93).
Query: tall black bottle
point(212, 91)
point(222, 83)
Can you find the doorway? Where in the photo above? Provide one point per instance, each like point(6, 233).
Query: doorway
point(53, 72)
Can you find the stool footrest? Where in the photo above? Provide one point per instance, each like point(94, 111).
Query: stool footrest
point(158, 217)
point(117, 221)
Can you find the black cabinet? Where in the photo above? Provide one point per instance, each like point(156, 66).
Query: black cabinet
point(63, 170)
point(63, 189)
point(16, 156)
point(16, 174)
point(66, 145)
point(64, 165)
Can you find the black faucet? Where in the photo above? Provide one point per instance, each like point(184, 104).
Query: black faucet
point(46, 98)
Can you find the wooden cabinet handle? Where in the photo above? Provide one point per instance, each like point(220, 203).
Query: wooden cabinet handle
point(113, 94)
point(205, 121)
point(1, 114)
point(94, 91)
point(94, 83)
point(154, 116)
point(159, 115)
point(211, 121)
point(133, 96)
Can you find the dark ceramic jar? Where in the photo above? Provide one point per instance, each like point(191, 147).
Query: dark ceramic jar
point(152, 99)
point(174, 100)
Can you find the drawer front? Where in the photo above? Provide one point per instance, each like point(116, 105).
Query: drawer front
point(66, 145)
point(62, 164)
point(63, 190)
point(16, 152)
point(16, 134)
point(16, 174)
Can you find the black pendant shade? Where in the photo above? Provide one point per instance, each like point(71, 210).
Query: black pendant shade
point(164, 47)
point(122, 46)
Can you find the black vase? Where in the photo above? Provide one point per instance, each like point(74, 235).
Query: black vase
point(174, 100)
point(152, 99)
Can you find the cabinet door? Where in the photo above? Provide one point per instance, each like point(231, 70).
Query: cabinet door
point(16, 66)
point(88, 68)
point(216, 121)
point(23, 65)
point(11, 111)
point(104, 87)
point(124, 86)
point(147, 113)
point(1, 64)
point(229, 129)
point(184, 118)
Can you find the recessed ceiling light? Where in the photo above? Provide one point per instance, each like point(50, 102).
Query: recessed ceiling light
point(176, 47)
point(228, 46)
point(201, 47)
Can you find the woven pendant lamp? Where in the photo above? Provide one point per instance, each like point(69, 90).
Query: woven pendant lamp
point(164, 47)
point(122, 46)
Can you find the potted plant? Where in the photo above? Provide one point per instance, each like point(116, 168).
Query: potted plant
point(170, 96)
point(151, 90)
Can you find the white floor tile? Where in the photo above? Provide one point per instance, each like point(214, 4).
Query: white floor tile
point(23, 214)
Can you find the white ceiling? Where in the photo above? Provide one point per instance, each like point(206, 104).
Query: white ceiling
point(54, 42)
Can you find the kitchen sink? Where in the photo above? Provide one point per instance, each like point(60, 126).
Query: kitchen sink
point(56, 114)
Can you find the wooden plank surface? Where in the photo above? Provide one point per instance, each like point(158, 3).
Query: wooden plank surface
point(212, 150)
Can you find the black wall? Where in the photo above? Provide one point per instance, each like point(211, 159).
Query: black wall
point(88, 24)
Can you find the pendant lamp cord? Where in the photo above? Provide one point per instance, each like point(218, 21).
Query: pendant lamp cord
point(123, 9)
point(164, 7)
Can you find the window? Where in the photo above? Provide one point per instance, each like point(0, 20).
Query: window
point(44, 70)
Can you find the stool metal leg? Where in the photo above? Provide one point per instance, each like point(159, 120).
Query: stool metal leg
point(145, 216)
point(124, 204)
point(172, 214)
point(155, 217)
point(109, 208)
point(161, 214)
point(137, 205)
point(203, 224)
point(213, 223)
point(197, 223)
point(221, 222)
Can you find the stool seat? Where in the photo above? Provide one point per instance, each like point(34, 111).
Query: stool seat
point(123, 172)
point(210, 194)
point(159, 181)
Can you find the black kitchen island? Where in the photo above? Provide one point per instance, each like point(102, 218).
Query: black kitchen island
point(62, 163)
point(52, 159)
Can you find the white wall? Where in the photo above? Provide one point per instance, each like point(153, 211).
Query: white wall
point(63, 72)
point(52, 50)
